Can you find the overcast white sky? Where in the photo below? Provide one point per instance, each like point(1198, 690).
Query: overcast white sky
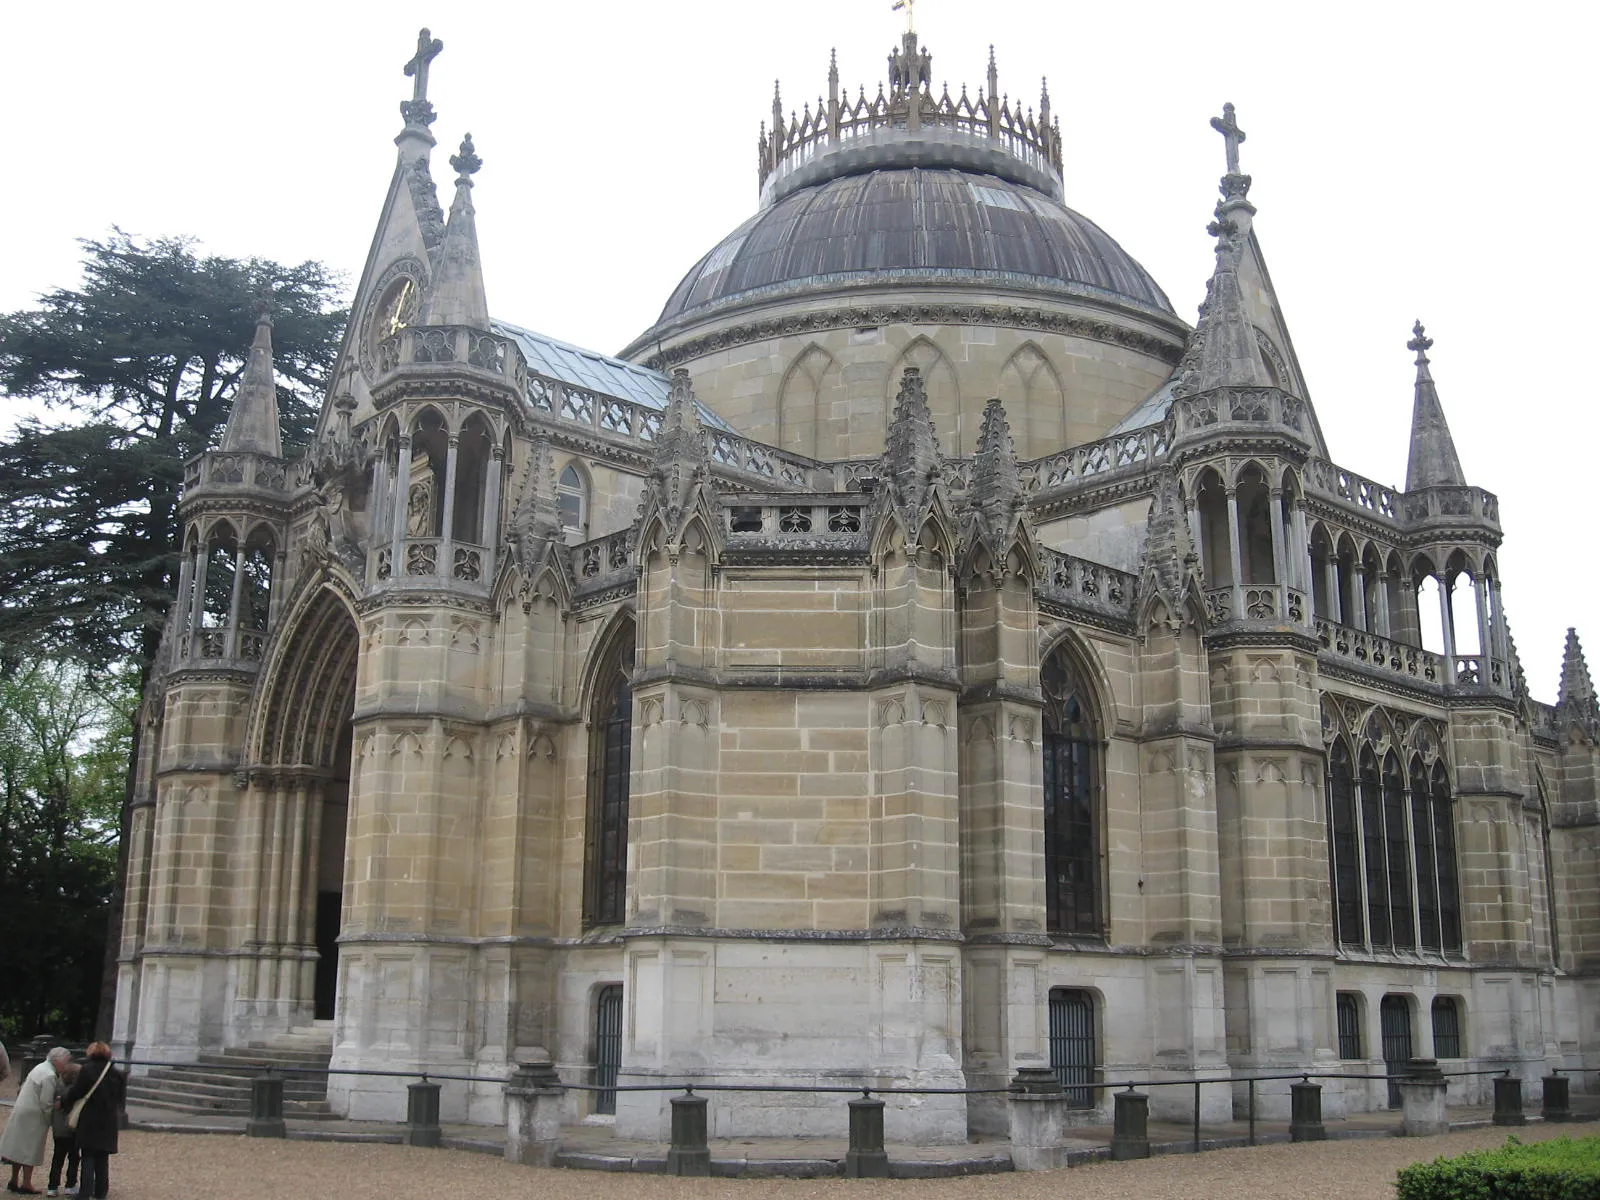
point(1410, 159)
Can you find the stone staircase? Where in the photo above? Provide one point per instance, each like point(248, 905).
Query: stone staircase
point(219, 1084)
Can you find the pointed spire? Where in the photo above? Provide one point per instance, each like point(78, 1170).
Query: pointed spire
point(456, 296)
point(1433, 459)
point(537, 519)
point(1169, 553)
point(253, 423)
point(996, 490)
point(680, 459)
point(911, 459)
point(1576, 698)
point(1223, 351)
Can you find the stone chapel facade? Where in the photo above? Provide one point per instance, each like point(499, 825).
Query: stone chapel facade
point(919, 655)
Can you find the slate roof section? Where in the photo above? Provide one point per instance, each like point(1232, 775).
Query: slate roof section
point(942, 225)
point(597, 372)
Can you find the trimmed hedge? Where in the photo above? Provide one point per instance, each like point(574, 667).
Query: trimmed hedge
point(1560, 1169)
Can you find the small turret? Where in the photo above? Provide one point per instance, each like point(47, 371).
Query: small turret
point(1433, 461)
point(456, 296)
point(253, 424)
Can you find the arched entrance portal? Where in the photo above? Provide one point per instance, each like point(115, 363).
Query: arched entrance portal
point(300, 788)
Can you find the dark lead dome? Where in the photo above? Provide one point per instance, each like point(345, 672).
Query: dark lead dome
point(918, 225)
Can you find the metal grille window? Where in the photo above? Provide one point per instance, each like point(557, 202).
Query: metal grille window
point(607, 1046)
point(1373, 844)
point(1072, 1044)
point(1348, 1010)
point(1446, 1027)
point(1071, 807)
point(610, 747)
point(1394, 1015)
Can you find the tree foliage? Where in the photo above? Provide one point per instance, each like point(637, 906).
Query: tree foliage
point(136, 371)
point(64, 746)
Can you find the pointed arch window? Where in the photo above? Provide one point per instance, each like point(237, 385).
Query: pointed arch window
point(1345, 847)
point(572, 496)
point(605, 876)
point(1071, 806)
point(1392, 845)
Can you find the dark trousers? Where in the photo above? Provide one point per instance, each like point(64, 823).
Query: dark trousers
point(96, 1177)
point(65, 1152)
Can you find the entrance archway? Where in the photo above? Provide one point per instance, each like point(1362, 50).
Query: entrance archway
point(300, 783)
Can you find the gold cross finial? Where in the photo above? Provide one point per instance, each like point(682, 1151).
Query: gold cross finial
point(910, 10)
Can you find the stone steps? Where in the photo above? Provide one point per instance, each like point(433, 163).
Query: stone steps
point(220, 1081)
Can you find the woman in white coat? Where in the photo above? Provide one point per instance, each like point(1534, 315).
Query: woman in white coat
point(22, 1143)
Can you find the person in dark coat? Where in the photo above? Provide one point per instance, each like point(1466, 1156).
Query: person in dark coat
point(103, 1085)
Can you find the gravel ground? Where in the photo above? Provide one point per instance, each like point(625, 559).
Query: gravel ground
point(158, 1165)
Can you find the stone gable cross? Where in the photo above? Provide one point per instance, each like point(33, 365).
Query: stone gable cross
point(1232, 135)
point(428, 48)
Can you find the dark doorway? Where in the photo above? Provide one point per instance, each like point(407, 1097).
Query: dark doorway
point(327, 980)
point(607, 1046)
point(1072, 1044)
point(1395, 1016)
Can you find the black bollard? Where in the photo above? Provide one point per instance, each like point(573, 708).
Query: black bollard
point(1508, 1101)
point(1305, 1113)
point(866, 1158)
point(688, 1154)
point(1556, 1104)
point(422, 1114)
point(1130, 1131)
point(266, 1106)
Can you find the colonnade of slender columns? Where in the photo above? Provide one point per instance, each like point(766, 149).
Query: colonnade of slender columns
point(281, 882)
point(395, 502)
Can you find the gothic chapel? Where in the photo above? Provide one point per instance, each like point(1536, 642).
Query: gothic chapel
point(917, 656)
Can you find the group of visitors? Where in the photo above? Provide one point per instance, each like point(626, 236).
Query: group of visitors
point(74, 1105)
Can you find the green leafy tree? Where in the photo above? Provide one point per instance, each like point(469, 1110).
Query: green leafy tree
point(135, 371)
point(64, 744)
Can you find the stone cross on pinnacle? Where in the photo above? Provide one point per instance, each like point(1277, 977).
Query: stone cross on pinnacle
point(1420, 342)
point(417, 110)
point(1232, 135)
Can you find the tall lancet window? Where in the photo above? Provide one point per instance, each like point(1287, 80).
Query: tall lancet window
point(1071, 805)
point(605, 875)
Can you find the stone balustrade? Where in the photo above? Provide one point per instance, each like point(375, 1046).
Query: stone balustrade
point(456, 346)
point(1084, 586)
point(1270, 604)
point(421, 559)
point(1128, 453)
point(1324, 479)
point(1451, 504)
point(234, 469)
point(1252, 407)
point(603, 561)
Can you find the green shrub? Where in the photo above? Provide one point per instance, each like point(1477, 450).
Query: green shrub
point(1560, 1169)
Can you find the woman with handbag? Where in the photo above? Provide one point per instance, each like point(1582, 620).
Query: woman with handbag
point(92, 1105)
point(64, 1139)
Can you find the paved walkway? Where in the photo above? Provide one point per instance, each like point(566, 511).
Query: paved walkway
point(596, 1147)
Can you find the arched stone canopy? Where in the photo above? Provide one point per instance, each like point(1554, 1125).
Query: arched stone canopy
point(311, 692)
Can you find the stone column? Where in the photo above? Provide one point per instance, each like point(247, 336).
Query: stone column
point(533, 1114)
point(1235, 554)
point(1330, 580)
point(1480, 594)
point(1358, 595)
point(490, 534)
point(1502, 639)
point(1280, 552)
point(231, 645)
point(402, 501)
point(1302, 551)
point(1199, 542)
point(280, 563)
point(1383, 625)
point(447, 526)
point(289, 942)
point(197, 609)
point(1447, 628)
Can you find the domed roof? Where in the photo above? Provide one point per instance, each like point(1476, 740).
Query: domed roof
point(933, 226)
